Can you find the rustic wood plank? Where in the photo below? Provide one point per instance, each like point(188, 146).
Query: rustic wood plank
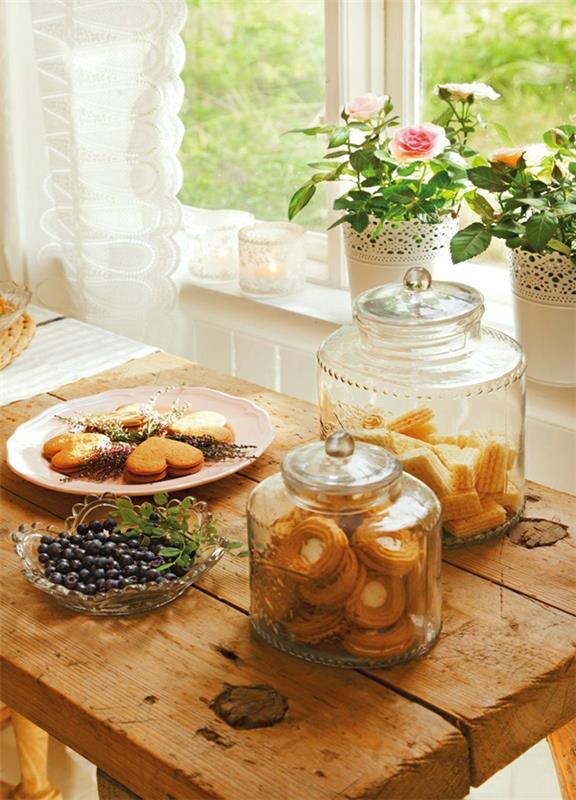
point(563, 747)
point(132, 694)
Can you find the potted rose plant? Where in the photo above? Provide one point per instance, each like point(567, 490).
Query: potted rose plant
point(527, 197)
point(402, 186)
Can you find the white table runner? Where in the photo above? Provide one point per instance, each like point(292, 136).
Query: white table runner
point(63, 350)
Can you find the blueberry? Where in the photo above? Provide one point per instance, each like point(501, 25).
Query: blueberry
point(130, 571)
point(90, 588)
point(99, 561)
point(170, 576)
point(117, 538)
point(154, 517)
point(68, 553)
point(97, 574)
point(94, 547)
point(150, 556)
point(54, 550)
point(88, 537)
point(111, 563)
point(101, 584)
point(43, 558)
point(88, 561)
point(84, 574)
point(133, 544)
point(76, 539)
point(46, 539)
point(143, 568)
point(80, 586)
point(42, 548)
point(113, 574)
point(152, 574)
point(178, 571)
point(109, 524)
point(82, 529)
point(124, 559)
point(160, 579)
point(49, 570)
point(121, 583)
point(131, 580)
point(95, 526)
point(111, 584)
point(71, 580)
point(76, 564)
point(108, 549)
point(63, 565)
point(78, 552)
point(63, 536)
point(57, 578)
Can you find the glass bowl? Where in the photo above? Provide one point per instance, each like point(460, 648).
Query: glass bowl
point(115, 602)
point(17, 297)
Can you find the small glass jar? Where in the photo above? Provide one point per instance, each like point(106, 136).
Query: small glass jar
point(419, 375)
point(271, 258)
point(345, 556)
point(213, 242)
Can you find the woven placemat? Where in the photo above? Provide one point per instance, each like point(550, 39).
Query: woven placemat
point(16, 339)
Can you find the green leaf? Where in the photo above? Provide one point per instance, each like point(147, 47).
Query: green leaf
point(539, 230)
point(480, 205)
point(300, 199)
point(560, 247)
point(565, 209)
point(470, 242)
point(161, 498)
point(341, 221)
point(359, 221)
point(169, 552)
point(339, 137)
point(533, 202)
point(313, 131)
point(444, 118)
point(503, 134)
point(485, 178)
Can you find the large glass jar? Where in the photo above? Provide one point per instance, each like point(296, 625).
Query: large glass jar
point(345, 554)
point(419, 375)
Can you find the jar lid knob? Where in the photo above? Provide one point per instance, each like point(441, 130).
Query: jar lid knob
point(339, 444)
point(417, 279)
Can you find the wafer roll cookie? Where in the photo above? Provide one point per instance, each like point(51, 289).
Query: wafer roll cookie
point(492, 468)
point(380, 436)
point(460, 440)
point(424, 464)
point(511, 499)
point(400, 443)
point(461, 505)
point(491, 516)
point(462, 463)
point(412, 421)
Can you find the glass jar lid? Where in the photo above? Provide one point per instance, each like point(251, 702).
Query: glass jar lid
point(339, 466)
point(418, 301)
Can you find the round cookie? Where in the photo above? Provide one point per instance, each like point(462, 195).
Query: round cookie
point(378, 601)
point(380, 644)
point(390, 552)
point(314, 549)
point(334, 593)
point(311, 626)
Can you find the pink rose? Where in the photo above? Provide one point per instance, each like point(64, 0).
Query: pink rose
point(365, 107)
point(418, 142)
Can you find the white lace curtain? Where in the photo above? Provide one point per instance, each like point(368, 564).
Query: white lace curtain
point(88, 155)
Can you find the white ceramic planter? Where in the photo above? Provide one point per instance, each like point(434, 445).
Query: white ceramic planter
point(544, 293)
point(398, 247)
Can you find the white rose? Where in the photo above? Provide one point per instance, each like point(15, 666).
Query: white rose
point(366, 106)
point(461, 91)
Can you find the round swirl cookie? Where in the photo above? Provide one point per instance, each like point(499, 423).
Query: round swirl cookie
point(390, 552)
point(380, 644)
point(333, 593)
point(378, 601)
point(313, 550)
point(313, 625)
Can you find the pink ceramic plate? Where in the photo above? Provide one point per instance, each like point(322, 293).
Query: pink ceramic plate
point(24, 448)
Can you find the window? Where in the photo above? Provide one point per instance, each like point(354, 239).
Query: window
point(257, 68)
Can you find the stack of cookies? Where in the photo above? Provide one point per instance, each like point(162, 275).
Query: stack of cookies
point(472, 474)
point(346, 582)
point(159, 458)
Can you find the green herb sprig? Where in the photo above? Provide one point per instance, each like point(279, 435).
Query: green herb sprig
point(170, 525)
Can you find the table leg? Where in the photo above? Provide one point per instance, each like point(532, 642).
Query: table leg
point(562, 743)
point(109, 789)
point(32, 744)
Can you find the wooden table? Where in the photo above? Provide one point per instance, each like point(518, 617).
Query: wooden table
point(132, 694)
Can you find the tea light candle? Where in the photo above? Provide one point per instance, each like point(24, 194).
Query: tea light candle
point(213, 242)
point(271, 258)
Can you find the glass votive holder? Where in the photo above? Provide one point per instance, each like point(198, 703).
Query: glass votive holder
point(212, 240)
point(271, 258)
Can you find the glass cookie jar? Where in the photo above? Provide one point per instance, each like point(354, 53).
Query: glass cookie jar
point(345, 554)
point(418, 374)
